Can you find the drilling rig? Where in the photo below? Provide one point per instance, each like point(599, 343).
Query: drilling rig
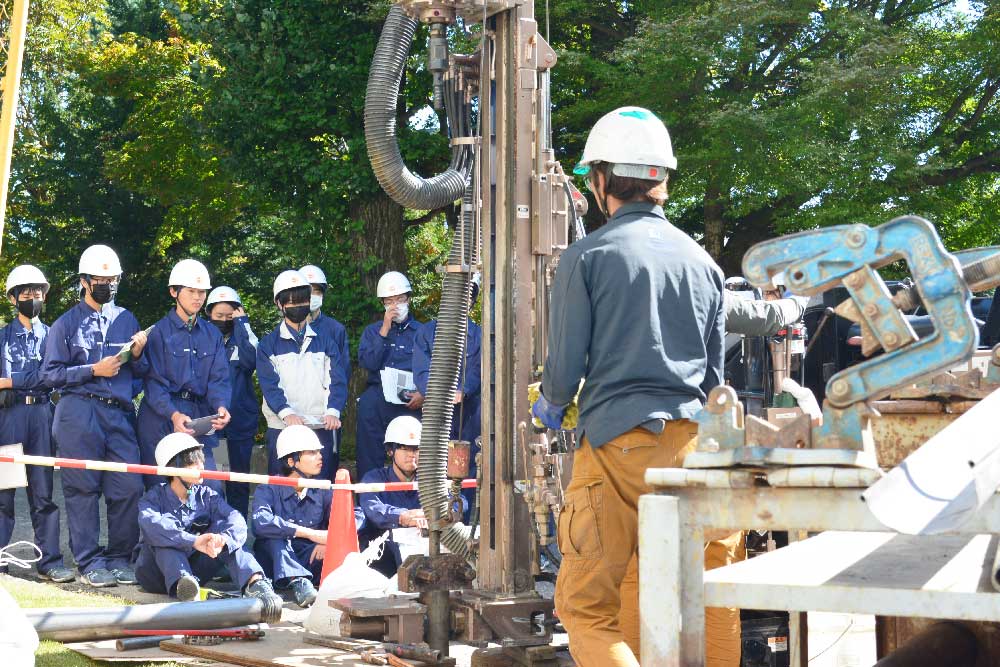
point(518, 211)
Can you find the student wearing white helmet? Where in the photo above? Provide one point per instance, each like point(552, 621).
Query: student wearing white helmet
point(189, 532)
point(290, 524)
point(225, 311)
point(400, 509)
point(188, 370)
point(93, 420)
point(323, 322)
point(300, 373)
point(26, 416)
point(638, 284)
point(387, 343)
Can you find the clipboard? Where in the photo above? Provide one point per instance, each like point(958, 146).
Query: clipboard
point(202, 425)
point(125, 354)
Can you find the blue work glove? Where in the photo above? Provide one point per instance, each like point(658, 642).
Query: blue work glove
point(548, 413)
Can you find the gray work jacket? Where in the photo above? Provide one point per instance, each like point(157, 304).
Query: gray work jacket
point(755, 317)
point(637, 313)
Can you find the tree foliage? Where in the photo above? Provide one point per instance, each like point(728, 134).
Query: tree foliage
point(788, 114)
point(233, 131)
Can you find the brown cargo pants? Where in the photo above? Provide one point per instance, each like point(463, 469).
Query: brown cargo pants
point(597, 592)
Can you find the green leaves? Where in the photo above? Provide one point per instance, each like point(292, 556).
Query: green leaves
point(787, 115)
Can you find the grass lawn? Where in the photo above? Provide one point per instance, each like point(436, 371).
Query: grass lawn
point(53, 654)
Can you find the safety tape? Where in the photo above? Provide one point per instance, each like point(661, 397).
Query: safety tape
point(136, 468)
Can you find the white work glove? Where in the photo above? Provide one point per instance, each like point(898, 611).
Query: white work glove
point(804, 398)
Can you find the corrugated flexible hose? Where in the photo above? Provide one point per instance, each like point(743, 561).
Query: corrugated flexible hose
point(446, 361)
point(405, 187)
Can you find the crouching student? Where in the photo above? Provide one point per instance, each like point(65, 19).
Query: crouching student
point(399, 509)
point(188, 533)
point(290, 524)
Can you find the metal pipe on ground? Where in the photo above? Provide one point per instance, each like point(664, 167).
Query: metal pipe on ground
point(71, 624)
point(139, 643)
point(941, 644)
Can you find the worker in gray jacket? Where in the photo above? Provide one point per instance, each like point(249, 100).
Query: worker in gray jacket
point(757, 317)
point(637, 313)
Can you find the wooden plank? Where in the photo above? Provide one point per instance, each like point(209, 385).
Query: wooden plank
point(282, 646)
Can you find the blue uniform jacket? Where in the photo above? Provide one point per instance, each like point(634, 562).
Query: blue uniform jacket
point(278, 510)
point(241, 351)
point(295, 370)
point(382, 510)
point(423, 344)
point(326, 325)
point(167, 521)
point(182, 359)
point(79, 339)
point(393, 351)
point(23, 350)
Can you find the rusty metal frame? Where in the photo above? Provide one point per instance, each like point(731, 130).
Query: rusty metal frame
point(672, 530)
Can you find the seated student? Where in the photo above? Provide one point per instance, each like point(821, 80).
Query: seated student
point(399, 509)
point(289, 523)
point(188, 533)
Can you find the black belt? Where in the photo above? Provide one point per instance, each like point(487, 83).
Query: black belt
point(23, 399)
point(187, 396)
point(113, 402)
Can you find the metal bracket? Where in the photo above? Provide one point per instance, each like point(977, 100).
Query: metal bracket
point(816, 261)
point(420, 574)
point(849, 255)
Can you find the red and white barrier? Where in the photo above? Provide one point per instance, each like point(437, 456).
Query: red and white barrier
point(136, 468)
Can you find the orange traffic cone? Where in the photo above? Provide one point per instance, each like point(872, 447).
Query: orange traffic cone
point(341, 534)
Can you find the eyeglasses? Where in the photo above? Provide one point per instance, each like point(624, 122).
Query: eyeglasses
point(395, 300)
point(94, 280)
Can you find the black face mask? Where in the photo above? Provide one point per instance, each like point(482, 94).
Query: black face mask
point(102, 293)
point(30, 309)
point(296, 314)
point(225, 326)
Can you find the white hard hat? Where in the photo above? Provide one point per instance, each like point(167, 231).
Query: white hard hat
point(189, 273)
point(391, 284)
point(26, 274)
point(100, 260)
point(173, 444)
point(313, 274)
point(403, 430)
point(221, 294)
point(634, 138)
point(288, 280)
point(296, 438)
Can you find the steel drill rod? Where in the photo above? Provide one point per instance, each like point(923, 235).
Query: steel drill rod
point(68, 624)
point(137, 643)
point(438, 610)
point(979, 276)
point(941, 644)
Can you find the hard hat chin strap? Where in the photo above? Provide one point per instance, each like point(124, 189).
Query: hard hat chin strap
point(295, 467)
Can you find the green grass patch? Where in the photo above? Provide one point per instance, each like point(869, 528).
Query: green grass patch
point(30, 594)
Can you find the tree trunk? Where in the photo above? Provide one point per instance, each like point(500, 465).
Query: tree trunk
point(714, 225)
point(383, 238)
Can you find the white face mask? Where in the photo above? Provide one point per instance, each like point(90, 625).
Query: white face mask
point(315, 302)
point(401, 313)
